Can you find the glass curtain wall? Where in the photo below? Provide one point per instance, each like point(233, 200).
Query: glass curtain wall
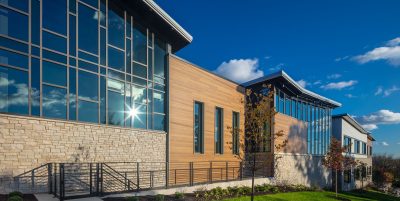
point(317, 117)
point(84, 60)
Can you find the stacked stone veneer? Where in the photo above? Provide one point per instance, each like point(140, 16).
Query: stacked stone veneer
point(27, 143)
point(302, 169)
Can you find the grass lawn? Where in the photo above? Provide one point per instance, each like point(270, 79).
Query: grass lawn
point(321, 196)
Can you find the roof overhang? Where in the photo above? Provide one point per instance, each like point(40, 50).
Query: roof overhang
point(152, 16)
point(353, 122)
point(287, 82)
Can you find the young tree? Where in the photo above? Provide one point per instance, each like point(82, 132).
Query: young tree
point(259, 114)
point(336, 161)
point(363, 171)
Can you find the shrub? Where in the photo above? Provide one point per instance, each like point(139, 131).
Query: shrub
point(15, 198)
point(179, 195)
point(132, 198)
point(159, 197)
point(15, 193)
point(396, 184)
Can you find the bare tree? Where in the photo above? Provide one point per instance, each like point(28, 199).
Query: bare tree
point(259, 114)
point(336, 161)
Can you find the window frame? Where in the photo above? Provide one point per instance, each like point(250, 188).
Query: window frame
point(235, 133)
point(201, 151)
point(221, 130)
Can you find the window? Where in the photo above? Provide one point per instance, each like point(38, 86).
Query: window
point(13, 59)
point(88, 111)
point(13, 24)
point(88, 86)
point(266, 147)
point(218, 130)
point(54, 42)
point(356, 146)
point(158, 99)
point(139, 94)
point(159, 58)
point(347, 176)
point(116, 59)
point(198, 128)
point(54, 103)
point(18, 4)
point(54, 73)
point(139, 70)
point(115, 108)
point(235, 133)
point(13, 91)
point(55, 15)
point(88, 29)
point(364, 148)
point(35, 84)
point(159, 122)
point(139, 44)
point(116, 26)
point(347, 144)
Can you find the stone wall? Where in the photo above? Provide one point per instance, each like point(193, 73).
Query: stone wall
point(301, 169)
point(27, 143)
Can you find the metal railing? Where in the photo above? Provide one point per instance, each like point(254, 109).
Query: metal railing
point(74, 180)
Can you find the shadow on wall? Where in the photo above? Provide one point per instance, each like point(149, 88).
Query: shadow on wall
point(299, 167)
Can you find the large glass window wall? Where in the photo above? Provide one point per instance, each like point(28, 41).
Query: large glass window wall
point(81, 60)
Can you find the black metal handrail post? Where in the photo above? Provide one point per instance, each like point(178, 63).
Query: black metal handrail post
point(97, 179)
point(166, 174)
point(241, 170)
point(226, 171)
point(33, 180)
point(62, 184)
point(211, 172)
point(191, 179)
point(50, 177)
point(90, 179)
point(55, 180)
point(137, 176)
point(101, 179)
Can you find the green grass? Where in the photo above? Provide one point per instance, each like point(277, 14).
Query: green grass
point(322, 196)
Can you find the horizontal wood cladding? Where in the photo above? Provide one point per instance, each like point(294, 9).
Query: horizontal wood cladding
point(188, 84)
point(294, 130)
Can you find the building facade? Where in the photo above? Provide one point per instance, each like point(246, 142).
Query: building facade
point(96, 83)
point(83, 81)
point(358, 142)
point(304, 119)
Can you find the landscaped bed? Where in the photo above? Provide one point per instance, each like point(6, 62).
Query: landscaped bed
point(17, 196)
point(265, 192)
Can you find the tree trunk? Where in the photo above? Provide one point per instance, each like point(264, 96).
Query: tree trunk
point(336, 183)
point(253, 174)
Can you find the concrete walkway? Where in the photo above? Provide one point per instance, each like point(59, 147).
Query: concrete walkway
point(49, 197)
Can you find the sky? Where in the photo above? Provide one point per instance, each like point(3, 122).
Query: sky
point(348, 51)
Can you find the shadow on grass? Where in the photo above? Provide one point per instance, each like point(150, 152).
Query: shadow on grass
point(371, 195)
point(337, 198)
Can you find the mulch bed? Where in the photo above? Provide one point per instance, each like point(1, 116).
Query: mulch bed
point(189, 197)
point(26, 197)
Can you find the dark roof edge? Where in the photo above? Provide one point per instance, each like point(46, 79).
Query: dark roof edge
point(201, 68)
point(283, 74)
point(168, 19)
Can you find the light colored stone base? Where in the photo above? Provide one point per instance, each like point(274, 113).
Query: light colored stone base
point(28, 142)
point(302, 169)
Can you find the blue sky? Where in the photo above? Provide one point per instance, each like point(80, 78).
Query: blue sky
point(348, 51)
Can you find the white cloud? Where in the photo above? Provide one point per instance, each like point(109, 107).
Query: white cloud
point(267, 57)
point(369, 127)
point(341, 58)
point(381, 117)
point(339, 85)
point(318, 82)
point(334, 76)
point(378, 91)
point(302, 83)
point(240, 70)
point(277, 67)
point(390, 53)
point(393, 42)
point(389, 91)
point(384, 143)
point(350, 96)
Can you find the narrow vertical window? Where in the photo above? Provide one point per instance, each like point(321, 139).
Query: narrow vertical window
point(235, 133)
point(218, 130)
point(198, 128)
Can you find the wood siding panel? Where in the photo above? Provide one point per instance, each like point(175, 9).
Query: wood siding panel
point(188, 84)
point(294, 130)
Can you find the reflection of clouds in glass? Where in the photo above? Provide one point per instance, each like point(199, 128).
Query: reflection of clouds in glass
point(115, 85)
point(20, 97)
point(139, 94)
point(99, 14)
